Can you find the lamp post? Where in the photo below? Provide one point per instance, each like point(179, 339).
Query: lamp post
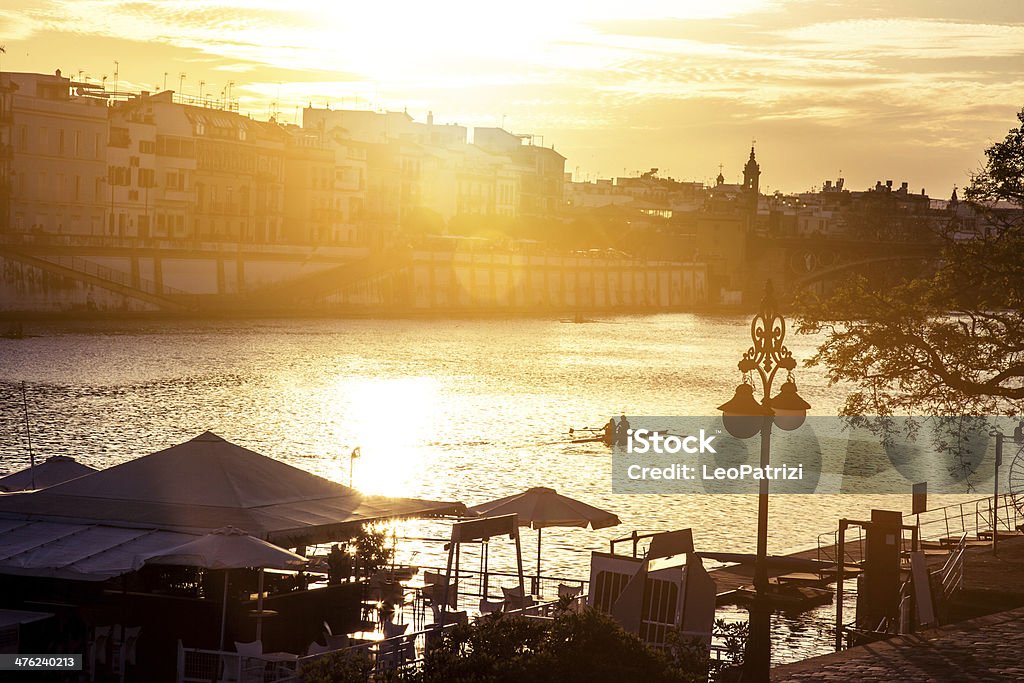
point(744, 416)
point(356, 452)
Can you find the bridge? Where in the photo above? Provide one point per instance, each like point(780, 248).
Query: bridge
point(59, 272)
point(796, 264)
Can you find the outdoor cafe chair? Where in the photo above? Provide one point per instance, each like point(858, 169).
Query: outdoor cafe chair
point(337, 641)
point(392, 630)
point(253, 649)
point(443, 616)
point(491, 606)
point(127, 648)
point(566, 591)
point(98, 648)
point(397, 651)
point(433, 594)
point(515, 599)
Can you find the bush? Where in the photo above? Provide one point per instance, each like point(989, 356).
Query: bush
point(575, 647)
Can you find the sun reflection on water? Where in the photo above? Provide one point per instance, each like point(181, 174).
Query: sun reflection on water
point(389, 419)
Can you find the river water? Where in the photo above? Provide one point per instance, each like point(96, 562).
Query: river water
point(449, 410)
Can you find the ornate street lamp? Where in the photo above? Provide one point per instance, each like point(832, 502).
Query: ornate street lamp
point(743, 417)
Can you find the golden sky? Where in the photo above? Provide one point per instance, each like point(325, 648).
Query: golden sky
point(911, 90)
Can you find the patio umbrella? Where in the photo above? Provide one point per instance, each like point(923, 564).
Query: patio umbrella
point(230, 548)
point(542, 507)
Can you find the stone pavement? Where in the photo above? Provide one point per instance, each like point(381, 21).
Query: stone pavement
point(988, 648)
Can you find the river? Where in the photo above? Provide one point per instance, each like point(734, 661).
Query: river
point(450, 410)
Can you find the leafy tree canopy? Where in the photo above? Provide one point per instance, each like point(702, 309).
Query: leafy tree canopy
point(948, 340)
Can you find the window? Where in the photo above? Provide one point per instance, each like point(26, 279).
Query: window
point(78, 143)
point(176, 180)
point(147, 147)
point(44, 140)
point(119, 175)
point(147, 177)
point(22, 138)
point(60, 142)
point(119, 137)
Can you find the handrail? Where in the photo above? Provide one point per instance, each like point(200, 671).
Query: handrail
point(950, 576)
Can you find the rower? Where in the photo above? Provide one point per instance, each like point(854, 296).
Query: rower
point(623, 430)
point(609, 431)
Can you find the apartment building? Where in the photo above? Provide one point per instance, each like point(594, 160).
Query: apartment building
point(54, 146)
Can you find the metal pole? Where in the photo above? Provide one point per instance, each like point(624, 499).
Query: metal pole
point(536, 585)
point(840, 551)
point(519, 559)
point(758, 655)
point(28, 434)
point(995, 494)
point(259, 608)
point(224, 609)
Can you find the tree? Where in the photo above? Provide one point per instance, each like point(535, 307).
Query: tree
point(949, 339)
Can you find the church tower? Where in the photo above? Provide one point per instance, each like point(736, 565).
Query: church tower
point(751, 180)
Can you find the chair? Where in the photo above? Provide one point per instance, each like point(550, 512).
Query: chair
point(514, 592)
point(566, 591)
point(434, 594)
point(443, 616)
point(490, 606)
point(337, 641)
point(98, 648)
point(251, 666)
point(395, 653)
point(430, 578)
point(515, 599)
point(393, 630)
point(128, 648)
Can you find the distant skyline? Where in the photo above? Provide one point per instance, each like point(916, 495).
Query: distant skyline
point(910, 91)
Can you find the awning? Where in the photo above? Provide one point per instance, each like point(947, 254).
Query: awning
point(81, 552)
point(207, 483)
point(17, 617)
point(50, 472)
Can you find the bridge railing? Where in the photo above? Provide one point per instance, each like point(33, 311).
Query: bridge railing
point(116, 276)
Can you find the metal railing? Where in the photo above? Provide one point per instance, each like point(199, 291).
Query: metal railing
point(949, 579)
point(947, 524)
point(402, 651)
point(853, 549)
point(975, 518)
point(203, 666)
point(81, 265)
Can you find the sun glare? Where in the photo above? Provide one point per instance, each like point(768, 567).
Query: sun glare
point(413, 42)
point(388, 419)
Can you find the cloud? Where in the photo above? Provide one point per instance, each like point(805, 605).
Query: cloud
point(920, 38)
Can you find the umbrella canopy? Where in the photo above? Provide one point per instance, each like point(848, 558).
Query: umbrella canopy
point(542, 507)
point(50, 472)
point(207, 483)
point(228, 548)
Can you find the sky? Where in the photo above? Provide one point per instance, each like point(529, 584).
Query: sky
point(875, 90)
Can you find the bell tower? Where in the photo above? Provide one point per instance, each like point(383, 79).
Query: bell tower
point(751, 174)
point(751, 181)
